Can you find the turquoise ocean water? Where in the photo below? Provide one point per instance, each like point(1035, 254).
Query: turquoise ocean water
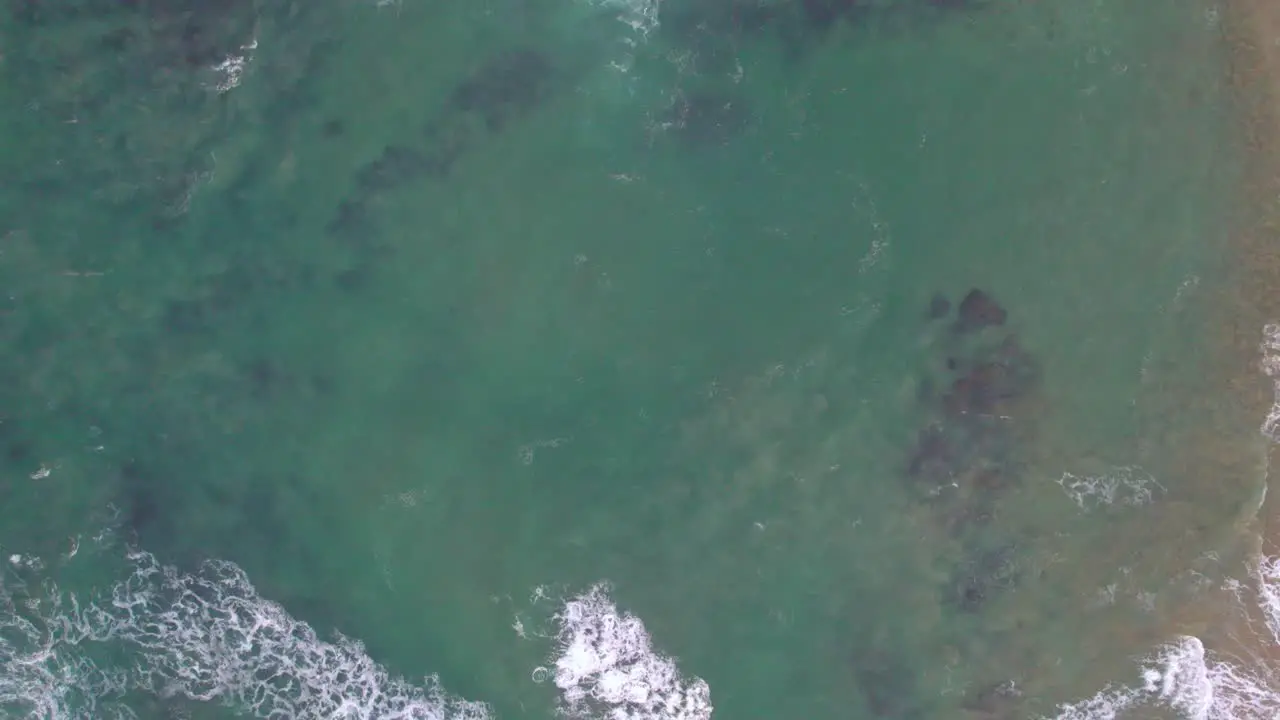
point(621, 359)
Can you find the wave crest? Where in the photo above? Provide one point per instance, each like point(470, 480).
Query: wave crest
point(1198, 683)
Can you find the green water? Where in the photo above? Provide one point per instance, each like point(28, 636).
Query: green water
point(450, 311)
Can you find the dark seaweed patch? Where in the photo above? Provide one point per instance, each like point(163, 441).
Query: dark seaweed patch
point(396, 166)
point(353, 222)
point(263, 377)
point(355, 278)
point(18, 451)
point(184, 317)
point(887, 685)
point(447, 139)
point(506, 87)
point(963, 461)
point(983, 388)
point(932, 455)
point(980, 579)
point(143, 510)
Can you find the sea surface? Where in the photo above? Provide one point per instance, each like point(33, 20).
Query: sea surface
point(627, 359)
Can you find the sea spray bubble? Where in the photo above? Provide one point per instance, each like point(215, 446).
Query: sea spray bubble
point(605, 666)
point(206, 636)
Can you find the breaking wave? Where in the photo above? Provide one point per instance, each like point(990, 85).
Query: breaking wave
point(1198, 683)
point(1184, 675)
point(207, 636)
point(605, 667)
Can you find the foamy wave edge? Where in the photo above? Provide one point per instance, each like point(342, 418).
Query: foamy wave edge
point(1185, 676)
point(1270, 363)
point(1198, 683)
point(207, 636)
point(605, 666)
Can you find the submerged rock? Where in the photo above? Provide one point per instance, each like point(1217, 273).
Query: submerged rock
point(979, 310)
point(887, 685)
point(939, 307)
point(982, 389)
point(447, 140)
point(352, 223)
point(509, 85)
point(263, 378)
point(932, 455)
point(985, 575)
point(396, 166)
point(139, 491)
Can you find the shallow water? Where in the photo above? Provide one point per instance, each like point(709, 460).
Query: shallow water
point(430, 339)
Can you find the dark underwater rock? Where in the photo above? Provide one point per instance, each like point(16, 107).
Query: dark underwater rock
point(508, 86)
point(142, 511)
point(1009, 374)
point(982, 389)
point(979, 310)
point(353, 222)
point(447, 139)
point(184, 317)
point(396, 166)
point(1022, 365)
point(985, 575)
point(18, 451)
point(356, 278)
point(932, 456)
point(887, 685)
point(939, 307)
point(264, 379)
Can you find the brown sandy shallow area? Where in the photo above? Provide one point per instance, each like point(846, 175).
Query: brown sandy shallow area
point(1223, 448)
point(1252, 30)
point(1219, 447)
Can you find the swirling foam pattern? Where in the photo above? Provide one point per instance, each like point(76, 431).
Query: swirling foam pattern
point(206, 636)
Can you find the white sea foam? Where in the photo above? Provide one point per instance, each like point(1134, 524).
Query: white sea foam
point(641, 16)
point(1271, 367)
point(207, 636)
point(231, 69)
point(1198, 683)
point(606, 667)
point(1124, 484)
point(1193, 680)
